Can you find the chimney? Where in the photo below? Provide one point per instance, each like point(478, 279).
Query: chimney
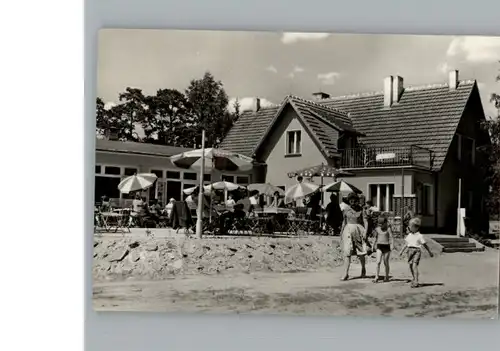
point(397, 89)
point(320, 95)
point(388, 91)
point(257, 104)
point(453, 79)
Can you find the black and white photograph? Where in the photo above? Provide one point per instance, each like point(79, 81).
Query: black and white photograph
point(297, 174)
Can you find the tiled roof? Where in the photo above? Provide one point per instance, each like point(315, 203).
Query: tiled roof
point(137, 148)
point(248, 130)
point(324, 123)
point(425, 116)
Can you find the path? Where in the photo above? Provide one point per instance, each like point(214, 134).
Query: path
point(455, 285)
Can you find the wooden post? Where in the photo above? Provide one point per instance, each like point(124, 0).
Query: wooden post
point(199, 221)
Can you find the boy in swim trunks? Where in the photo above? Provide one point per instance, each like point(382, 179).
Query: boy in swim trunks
point(414, 243)
point(384, 243)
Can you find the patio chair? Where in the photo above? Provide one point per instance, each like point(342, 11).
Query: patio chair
point(242, 224)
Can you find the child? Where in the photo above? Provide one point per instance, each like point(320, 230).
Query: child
point(384, 243)
point(414, 243)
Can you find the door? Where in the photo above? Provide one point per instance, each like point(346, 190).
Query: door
point(174, 190)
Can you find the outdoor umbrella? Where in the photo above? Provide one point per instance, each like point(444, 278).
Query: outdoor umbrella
point(266, 189)
point(208, 159)
point(222, 186)
point(322, 171)
point(299, 191)
point(219, 159)
point(137, 182)
point(189, 191)
point(342, 187)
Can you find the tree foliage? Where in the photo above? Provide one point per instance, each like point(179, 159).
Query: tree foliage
point(171, 117)
point(209, 102)
point(492, 125)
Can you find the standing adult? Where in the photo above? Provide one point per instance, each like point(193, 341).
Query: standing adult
point(354, 242)
point(334, 215)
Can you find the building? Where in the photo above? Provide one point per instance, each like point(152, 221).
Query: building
point(417, 141)
point(117, 159)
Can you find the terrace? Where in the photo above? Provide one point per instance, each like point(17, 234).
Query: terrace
point(386, 157)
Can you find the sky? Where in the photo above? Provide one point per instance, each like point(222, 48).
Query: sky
point(271, 65)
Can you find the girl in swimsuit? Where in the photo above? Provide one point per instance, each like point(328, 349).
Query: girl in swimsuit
point(384, 243)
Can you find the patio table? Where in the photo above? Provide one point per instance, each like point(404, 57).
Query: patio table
point(114, 219)
point(276, 216)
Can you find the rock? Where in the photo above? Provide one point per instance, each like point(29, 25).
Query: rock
point(232, 249)
point(96, 243)
point(178, 264)
point(95, 254)
point(118, 256)
point(134, 245)
point(151, 247)
point(134, 257)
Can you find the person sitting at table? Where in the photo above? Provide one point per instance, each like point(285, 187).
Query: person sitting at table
point(205, 205)
point(155, 210)
point(254, 198)
point(278, 200)
point(230, 201)
point(137, 205)
point(105, 206)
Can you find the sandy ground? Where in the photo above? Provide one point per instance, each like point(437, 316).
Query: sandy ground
point(461, 285)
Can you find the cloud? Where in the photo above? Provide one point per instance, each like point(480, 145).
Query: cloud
point(271, 68)
point(444, 67)
point(295, 70)
point(248, 103)
point(328, 78)
point(290, 38)
point(475, 49)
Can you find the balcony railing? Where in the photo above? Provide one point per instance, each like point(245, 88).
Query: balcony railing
point(386, 157)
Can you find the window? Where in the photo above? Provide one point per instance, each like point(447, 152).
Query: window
point(130, 171)
point(242, 180)
point(173, 175)
point(207, 177)
point(112, 170)
point(382, 196)
point(158, 173)
point(228, 178)
point(189, 176)
point(425, 199)
point(97, 169)
point(294, 142)
point(466, 149)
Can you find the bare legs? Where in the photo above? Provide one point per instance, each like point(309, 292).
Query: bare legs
point(385, 257)
point(377, 271)
point(347, 265)
point(414, 274)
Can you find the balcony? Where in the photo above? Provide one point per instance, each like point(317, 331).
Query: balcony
point(386, 157)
